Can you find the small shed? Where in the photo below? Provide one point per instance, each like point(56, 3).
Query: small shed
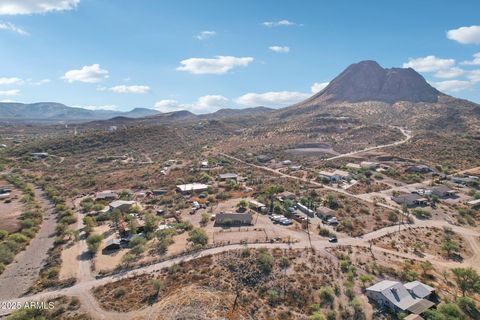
point(111, 245)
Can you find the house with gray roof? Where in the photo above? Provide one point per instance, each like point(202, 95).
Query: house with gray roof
point(122, 205)
point(410, 200)
point(409, 298)
point(443, 191)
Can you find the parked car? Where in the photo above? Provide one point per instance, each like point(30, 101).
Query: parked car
point(333, 240)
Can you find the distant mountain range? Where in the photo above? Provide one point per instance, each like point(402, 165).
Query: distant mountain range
point(52, 112)
point(57, 112)
point(364, 91)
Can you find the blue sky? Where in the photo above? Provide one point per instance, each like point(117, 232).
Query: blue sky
point(204, 55)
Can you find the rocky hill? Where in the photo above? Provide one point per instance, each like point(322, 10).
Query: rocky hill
point(368, 81)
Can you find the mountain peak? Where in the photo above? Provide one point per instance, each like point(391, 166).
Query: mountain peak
point(368, 81)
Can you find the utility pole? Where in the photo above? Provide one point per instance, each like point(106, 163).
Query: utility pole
point(308, 232)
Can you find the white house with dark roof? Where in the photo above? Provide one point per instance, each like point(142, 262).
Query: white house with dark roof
point(227, 176)
point(410, 297)
point(192, 187)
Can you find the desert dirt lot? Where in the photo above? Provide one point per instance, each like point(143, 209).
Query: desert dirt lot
point(425, 241)
point(10, 209)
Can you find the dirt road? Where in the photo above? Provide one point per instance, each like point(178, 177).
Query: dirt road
point(21, 274)
point(405, 132)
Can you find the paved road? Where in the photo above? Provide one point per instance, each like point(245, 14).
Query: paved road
point(20, 275)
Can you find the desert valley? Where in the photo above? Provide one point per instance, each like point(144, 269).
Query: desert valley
point(360, 202)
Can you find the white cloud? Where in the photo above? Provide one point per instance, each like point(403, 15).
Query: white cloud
point(41, 82)
point(11, 27)
point(453, 85)
point(10, 93)
point(88, 74)
point(319, 86)
point(130, 89)
point(465, 35)
point(449, 73)
point(474, 76)
point(271, 99)
point(475, 61)
point(279, 23)
point(207, 103)
point(217, 65)
point(12, 80)
point(168, 105)
point(279, 49)
point(205, 35)
point(429, 64)
point(109, 107)
point(13, 7)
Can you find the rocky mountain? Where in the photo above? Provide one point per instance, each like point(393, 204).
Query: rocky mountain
point(57, 112)
point(368, 81)
point(387, 96)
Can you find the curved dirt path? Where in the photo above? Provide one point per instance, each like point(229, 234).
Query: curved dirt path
point(82, 289)
point(20, 275)
point(405, 132)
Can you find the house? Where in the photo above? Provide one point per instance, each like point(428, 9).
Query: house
point(401, 298)
point(334, 176)
point(286, 195)
point(111, 245)
point(354, 166)
point(464, 180)
point(192, 187)
point(258, 206)
point(419, 169)
point(227, 176)
point(107, 195)
point(39, 155)
point(122, 205)
point(410, 200)
point(304, 209)
point(443, 191)
point(233, 219)
point(324, 212)
point(474, 203)
point(369, 165)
